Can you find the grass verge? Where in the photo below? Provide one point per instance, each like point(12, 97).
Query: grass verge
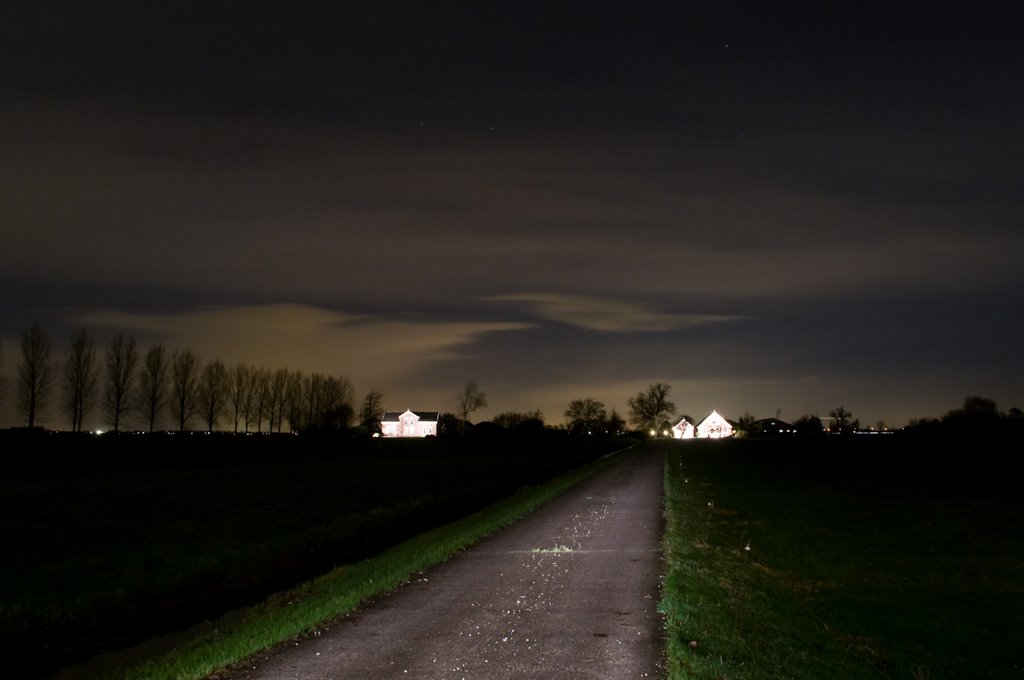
point(843, 561)
point(299, 611)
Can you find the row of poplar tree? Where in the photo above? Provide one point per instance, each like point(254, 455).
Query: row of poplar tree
point(130, 387)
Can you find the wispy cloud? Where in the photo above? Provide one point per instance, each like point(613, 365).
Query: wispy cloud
point(369, 350)
point(607, 315)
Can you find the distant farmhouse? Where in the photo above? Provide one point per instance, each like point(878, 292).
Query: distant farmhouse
point(409, 423)
point(773, 427)
point(713, 426)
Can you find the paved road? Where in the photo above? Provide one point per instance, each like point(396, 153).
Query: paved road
point(569, 592)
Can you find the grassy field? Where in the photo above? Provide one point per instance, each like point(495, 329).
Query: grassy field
point(107, 541)
point(862, 557)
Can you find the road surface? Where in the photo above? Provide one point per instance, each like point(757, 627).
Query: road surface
point(569, 592)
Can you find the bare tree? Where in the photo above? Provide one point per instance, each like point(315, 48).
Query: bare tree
point(294, 399)
point(249, 398)
point(237, 393)
point(312, 390)
point(260, 397)
point(35, 373)
point(615, 424)
point(468, 400)
point(214, 390)
point(746, 424)
point(372, 410)
point(650, 408)
point(586, 415)
point(517, 419)
point(185, 380)
point(119, 389)
point(278, 398)
point(840, 423)
point(336, 405)
point(808, 424)
point(153, 383)
point(80, 379)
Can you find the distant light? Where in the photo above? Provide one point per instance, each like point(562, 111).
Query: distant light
point(98, 432)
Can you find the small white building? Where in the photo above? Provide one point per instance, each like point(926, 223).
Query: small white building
point(714, 426)
point(683, 429)
point(409, 423)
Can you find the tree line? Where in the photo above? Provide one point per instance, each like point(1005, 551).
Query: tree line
point(178, 387)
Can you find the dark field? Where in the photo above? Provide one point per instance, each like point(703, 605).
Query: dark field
point(108, 540)
point(858, 557)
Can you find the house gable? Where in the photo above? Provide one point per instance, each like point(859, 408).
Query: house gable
point(714, 426)
point(683, 429)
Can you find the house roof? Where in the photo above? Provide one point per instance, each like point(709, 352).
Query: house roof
point(394, 416)
point(772, 422)
point(714, 415)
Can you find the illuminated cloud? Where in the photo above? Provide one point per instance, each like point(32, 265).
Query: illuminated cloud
point(370, 351)
point(607, 315)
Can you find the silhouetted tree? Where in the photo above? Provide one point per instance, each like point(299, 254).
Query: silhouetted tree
point(980, 405)
point(336, 400)
point(511, 420)
point(238, 387)
point(841, 421)
point(122, 357)
point(923, 426)
point(80, 379)
point(615, 424)
point(278, 398)
point(585, 416)
point(214, 392)
point(261, 397)
point(294, 400)
point(35, 373)
point(250, 399)
point(745, 424)
point(153, 385)
point(808, 425)
point(522, 424)
point(372, 410)
point(977, 414)
point(650, 408)
point(468, 400)
point(448, 424)
point(312, 393)
point(185, 383)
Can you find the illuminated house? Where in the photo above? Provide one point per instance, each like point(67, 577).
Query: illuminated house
point(409, 424)
point(714, 426)
point(683, 429)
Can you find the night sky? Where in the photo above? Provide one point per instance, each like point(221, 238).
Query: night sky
point(775, 208)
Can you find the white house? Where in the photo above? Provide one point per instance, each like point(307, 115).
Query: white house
point(714, 426)
point(409, 424)
point(683, 429)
